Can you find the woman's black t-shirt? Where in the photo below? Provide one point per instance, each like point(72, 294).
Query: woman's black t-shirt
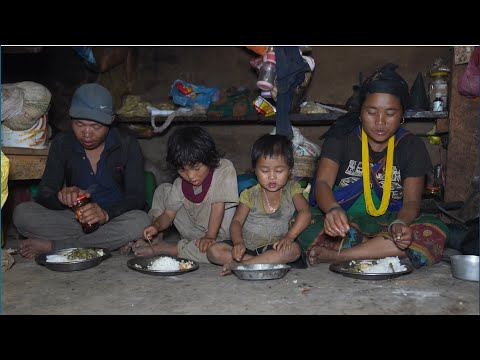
point(410, 159)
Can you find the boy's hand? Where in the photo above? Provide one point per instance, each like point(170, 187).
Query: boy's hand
point(238, 251)
point(283, 245)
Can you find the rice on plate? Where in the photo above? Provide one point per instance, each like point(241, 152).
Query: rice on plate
point(166, 263)
point(380, 266)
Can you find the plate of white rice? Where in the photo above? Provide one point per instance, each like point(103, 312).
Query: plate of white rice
point(378, 269)
point(163, 265)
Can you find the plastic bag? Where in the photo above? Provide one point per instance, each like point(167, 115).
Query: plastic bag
point(185, 94)
point(23, 104)
point(469, 83)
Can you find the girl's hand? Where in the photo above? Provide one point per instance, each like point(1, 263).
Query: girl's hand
point(336, 222)
point(204, 243)
point(150, 232)
point(402, 235)
point(238, 251)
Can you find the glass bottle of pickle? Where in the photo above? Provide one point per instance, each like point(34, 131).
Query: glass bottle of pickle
point(438, 86)
point(82, 200)
point(433, 188)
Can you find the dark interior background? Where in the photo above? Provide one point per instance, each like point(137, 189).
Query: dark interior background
point(61, 70)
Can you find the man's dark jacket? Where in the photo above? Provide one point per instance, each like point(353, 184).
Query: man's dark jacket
point(124, 160)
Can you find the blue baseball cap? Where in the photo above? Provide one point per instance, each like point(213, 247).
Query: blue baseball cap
point(92, 102)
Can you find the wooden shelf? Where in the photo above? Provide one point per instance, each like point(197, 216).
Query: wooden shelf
point(25, 163)
point(427, 115)
point(24, 151)
point(296, 119)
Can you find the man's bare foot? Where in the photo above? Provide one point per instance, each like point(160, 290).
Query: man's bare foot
point(31, 247)
point(125, 249)
point(320, 254)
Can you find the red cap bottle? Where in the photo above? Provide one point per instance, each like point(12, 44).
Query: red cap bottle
point(82, 200)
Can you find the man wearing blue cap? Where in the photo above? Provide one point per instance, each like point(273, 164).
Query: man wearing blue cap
point(93, 159)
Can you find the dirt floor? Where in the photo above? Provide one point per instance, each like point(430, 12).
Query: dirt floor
point(113, 288)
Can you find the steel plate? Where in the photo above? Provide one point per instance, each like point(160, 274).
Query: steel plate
point(71, 265)
point(141, 264)
point(348, 270)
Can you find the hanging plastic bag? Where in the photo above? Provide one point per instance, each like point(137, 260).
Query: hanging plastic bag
point(469, 83)
point(185, 94)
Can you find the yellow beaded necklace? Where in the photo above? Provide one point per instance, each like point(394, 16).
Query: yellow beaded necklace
point(387, 185)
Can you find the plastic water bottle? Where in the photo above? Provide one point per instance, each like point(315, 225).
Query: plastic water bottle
point(267, 73)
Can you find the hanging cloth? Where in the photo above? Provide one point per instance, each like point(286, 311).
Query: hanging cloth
point(291, 68)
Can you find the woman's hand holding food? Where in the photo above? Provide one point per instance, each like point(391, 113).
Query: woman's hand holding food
point(336, 222)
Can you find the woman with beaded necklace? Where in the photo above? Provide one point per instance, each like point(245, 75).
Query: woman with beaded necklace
point(372, 212)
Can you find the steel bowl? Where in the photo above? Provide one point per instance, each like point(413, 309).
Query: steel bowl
point(260, 271)
point(465, 267)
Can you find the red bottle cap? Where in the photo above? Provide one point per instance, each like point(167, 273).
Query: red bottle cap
point(81, 197)
point(271, 57)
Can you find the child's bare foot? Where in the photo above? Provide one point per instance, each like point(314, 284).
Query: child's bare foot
point(125, 249)
point(321, 254)
point(143, 248)
point(226, 270)
point(31, 247)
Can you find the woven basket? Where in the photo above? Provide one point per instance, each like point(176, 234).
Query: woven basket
point(304, 166)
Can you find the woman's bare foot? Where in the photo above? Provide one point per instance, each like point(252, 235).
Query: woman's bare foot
point(31, 247)
point(321, 254)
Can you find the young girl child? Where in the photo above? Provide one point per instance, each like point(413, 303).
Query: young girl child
point(200, 203)
point(260, 230)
